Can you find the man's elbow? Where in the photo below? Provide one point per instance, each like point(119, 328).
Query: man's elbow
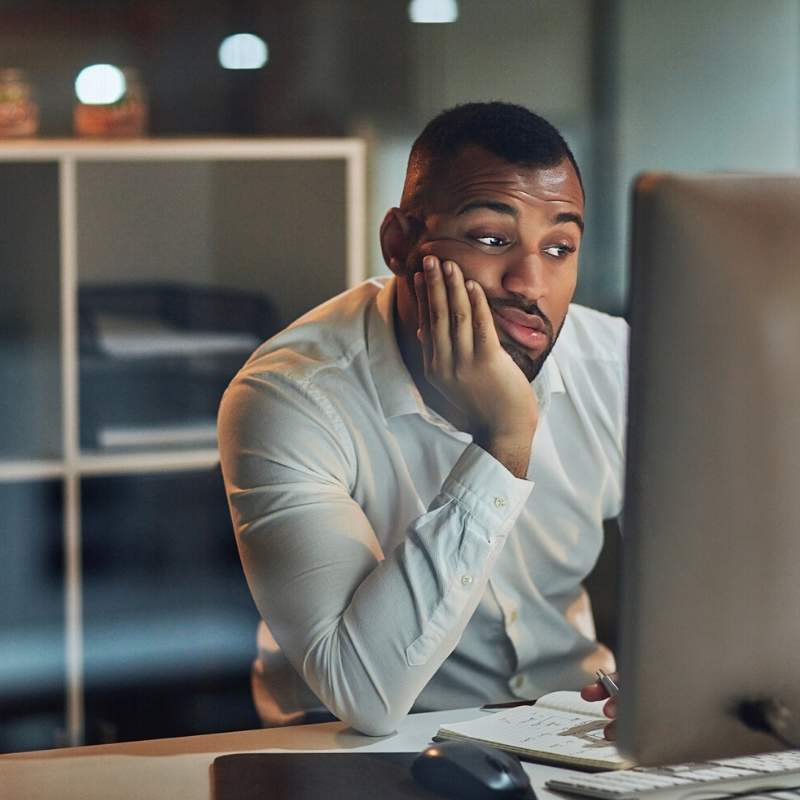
point(369, 712)
point(371, 723)
point(354, 692)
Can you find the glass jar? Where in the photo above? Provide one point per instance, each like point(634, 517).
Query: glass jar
point(127, 117)
point(19, 115)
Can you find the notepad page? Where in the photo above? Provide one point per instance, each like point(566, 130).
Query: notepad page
point(533, 730)
point(572, 701)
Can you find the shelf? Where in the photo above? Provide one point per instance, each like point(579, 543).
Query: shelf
point(127, 268)
point(111, 464)
point(133, 463)
point(22, 470)
point(179, 149)
point(171, 647)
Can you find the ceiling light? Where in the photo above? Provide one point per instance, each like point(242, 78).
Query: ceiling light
point(433, 10)
point(100, 84)
point(243, 51)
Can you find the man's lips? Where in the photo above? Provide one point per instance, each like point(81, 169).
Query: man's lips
point(527, 330)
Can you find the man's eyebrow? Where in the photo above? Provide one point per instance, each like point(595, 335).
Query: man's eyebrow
point(492, 205)
point(568, 216)
point(504, 208)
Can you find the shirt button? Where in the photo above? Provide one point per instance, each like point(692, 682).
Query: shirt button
point(466, 580)
point(500, 502)
point(518, 681)
point(512, 617)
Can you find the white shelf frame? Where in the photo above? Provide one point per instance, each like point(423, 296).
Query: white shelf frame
point(75, 465)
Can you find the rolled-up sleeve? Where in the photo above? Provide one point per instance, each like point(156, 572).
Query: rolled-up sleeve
point(365, 629)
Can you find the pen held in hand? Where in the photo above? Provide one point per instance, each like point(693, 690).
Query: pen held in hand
point(608, 683)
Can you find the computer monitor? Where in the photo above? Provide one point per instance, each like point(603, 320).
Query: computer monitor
point(710, 590)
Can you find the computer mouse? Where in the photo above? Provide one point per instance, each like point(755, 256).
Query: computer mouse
point(471, 771)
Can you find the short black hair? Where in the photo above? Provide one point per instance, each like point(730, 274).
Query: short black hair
point(507, 130)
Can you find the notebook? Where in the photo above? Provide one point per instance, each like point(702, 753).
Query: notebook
point(561, 729)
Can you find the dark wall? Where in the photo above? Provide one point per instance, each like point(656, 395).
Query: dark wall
point(313, 83)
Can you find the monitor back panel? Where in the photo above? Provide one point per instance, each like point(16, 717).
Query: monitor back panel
point(710, 592)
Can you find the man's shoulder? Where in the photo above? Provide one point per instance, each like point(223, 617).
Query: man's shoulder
point(330, 335)
point(591, 335)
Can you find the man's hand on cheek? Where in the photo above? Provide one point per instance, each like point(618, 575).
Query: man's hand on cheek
point(465, 361)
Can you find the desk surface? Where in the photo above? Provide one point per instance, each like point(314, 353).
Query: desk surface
point(166, 769)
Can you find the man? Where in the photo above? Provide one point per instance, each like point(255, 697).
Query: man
point(418, 470)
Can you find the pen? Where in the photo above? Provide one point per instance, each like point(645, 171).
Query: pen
point(608, 684)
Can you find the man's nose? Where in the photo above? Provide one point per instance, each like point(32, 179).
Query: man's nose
point(526, 277)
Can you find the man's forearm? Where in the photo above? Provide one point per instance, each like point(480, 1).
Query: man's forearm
point(364, 605)
point(367, 636)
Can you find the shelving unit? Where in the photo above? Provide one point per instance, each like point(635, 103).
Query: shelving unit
point(280, 217)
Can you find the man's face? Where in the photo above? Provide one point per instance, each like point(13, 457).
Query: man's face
point(516, 231)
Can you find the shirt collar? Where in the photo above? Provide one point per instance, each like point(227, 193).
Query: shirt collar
point(396, 389)
point(547, 383)
point(393, 382)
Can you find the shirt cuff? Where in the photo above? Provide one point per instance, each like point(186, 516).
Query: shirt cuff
point(486, 488)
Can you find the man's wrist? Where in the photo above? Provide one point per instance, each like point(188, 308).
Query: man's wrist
point(513, 453)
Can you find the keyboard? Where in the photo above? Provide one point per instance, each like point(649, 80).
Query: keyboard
point(770, 775)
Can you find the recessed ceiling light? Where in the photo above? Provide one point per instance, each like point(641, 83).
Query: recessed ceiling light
point(243, 51)
point(100, 84)
point(433, 10)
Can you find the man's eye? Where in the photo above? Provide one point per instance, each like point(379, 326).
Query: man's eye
point(559, 250)
point(492, 241)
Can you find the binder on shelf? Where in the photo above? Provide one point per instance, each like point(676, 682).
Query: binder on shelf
point(155, 359)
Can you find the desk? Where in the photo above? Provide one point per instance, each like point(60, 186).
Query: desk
point(178, 769)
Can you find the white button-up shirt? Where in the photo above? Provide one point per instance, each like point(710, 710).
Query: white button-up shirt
point(396, 564)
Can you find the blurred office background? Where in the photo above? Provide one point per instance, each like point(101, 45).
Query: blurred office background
point(633, 84)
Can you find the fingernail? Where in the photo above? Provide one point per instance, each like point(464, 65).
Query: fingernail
point(470, 285)
point(448, 268)
point(429, 263)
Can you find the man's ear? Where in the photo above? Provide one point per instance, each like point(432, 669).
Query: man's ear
point(397, 239)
